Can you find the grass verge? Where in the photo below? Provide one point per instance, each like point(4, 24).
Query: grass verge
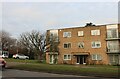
point(101, 71)
point(23, 60)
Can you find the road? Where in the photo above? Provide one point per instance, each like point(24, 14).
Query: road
point(21, 74)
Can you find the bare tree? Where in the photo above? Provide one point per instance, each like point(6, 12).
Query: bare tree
point(6, 40)
point(52, 44)
point(34, 41)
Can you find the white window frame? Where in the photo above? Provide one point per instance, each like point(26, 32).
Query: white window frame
point(95, 32)
point(67, 55)
point(79, 46)
point(66, 34)
point(110, 33)
point(112, 58)
point(80, 33)
point(96, 57)
point(96, 42)
point(67, 45)
point(113, 46)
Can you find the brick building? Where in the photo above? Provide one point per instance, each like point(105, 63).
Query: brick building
point(84, 45)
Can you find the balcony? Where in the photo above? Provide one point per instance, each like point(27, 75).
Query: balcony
point(113, 38)
point(113, 51)
point(113, 34)
point(108, 39)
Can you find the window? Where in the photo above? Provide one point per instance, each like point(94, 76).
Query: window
point(67, 34)
point(81, 44)
point(96, 44)
point(93, 57)
point(99, 57)
point(80, 33)
point(54, 35)
point(96, 57)
point(95, 32)
point(67, 57)
point(53, 38)
point(114, 59)
point(112, 33)
point(67, 45)
point(113, 46)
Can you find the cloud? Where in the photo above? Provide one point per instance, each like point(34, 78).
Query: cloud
point(21, 17)
point(59, 1)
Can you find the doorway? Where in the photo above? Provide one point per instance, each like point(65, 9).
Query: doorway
point(53, 59)
point(81, 59)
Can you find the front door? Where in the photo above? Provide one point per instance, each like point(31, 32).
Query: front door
point(53, 59)
point(81, 59)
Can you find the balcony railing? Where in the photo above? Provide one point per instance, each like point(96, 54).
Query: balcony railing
point(113, 50)
point(113, 38)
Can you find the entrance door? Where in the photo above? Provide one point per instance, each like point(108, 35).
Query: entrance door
point(81, 59)
point(53, 59)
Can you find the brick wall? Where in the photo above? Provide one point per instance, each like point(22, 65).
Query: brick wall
point(87, 39)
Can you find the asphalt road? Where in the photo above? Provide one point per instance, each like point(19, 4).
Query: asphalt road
point(21, 74)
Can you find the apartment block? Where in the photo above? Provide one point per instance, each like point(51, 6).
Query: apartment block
point(84, 45)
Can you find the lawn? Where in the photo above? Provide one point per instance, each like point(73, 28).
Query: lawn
point(92, 70)
point(23, 60)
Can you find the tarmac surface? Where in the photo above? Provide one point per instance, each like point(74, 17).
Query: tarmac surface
point(21, 74)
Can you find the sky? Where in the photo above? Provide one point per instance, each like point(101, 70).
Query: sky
point(18, 17)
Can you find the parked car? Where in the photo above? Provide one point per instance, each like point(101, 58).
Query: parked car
point(2, 63)
point(4, 56)
point(20, 56)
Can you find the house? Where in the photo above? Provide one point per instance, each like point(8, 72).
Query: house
point(3, 53)
point(84, 45)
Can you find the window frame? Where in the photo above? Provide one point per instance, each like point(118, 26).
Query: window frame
point(95, 32)
point(67, 47)
point(80, 33)
point(68, 57)
point(96, 57)
point(112, 33)
point(96, 42)
point(67, 34)
point(79, 46)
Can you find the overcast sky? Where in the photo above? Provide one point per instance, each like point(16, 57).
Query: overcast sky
point(19, 17)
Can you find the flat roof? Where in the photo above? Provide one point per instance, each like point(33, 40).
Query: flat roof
point(82, 26)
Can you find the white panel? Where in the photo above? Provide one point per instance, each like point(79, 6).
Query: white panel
point(112, 26)
point(54, 32)
point(80, 33)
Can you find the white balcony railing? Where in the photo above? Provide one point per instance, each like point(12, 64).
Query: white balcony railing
point(113, 50)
